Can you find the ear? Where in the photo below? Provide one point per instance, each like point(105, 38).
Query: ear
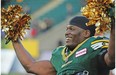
point(86, 33)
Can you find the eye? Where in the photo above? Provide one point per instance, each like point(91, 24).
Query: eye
point(71, 28)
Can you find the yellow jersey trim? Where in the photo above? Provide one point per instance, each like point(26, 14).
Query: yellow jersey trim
point(104, 46)
point(63, 51)
point(100, 41)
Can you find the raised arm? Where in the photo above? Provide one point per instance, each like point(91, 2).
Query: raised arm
point(30, 65)
point(110, 55)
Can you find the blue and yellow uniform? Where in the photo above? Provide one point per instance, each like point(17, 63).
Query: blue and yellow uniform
point(85, 57)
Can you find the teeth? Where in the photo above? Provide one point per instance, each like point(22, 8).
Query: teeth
point(68, 38)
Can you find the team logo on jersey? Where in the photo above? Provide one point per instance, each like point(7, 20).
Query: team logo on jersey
point(81, 52)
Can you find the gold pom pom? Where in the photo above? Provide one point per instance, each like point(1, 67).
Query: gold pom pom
point(13, 23)
point(97, 13)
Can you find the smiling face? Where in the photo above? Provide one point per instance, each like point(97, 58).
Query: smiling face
point(74, 35)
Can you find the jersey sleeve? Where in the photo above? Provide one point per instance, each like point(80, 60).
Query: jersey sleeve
point(101, 62)
point(55, 56)
point(102, 45)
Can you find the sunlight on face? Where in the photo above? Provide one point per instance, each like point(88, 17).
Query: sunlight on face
point(73, 35)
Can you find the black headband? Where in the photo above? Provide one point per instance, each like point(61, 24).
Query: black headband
point(81, 21)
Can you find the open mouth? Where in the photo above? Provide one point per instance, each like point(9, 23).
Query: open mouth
point(68, 39)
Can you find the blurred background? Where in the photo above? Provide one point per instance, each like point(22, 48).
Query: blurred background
point(47, 28)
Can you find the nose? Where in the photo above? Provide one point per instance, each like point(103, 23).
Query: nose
point(67, 32)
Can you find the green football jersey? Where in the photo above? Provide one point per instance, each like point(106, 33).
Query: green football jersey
point(83, 57)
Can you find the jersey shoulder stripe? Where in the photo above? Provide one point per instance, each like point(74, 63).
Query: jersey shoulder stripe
point(100, 42)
